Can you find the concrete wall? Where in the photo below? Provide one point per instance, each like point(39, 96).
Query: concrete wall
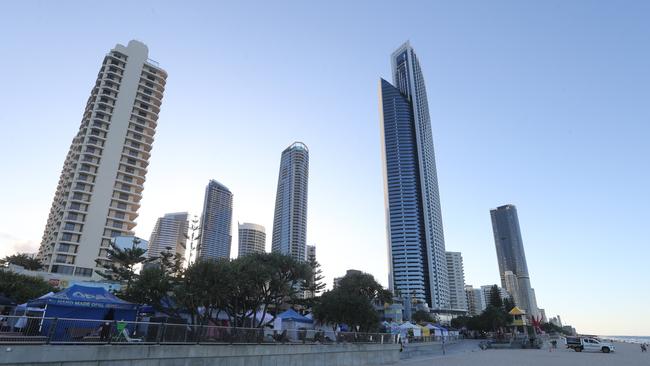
point(199, 355)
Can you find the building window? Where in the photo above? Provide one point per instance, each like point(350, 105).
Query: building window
point(69, 226)
point(67, 248)
point(62, 269)
point(84, 272)
point(62, 258)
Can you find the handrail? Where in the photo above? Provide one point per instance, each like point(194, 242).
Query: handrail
point(49, 330)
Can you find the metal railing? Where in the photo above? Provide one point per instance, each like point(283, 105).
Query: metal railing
point(36, 330)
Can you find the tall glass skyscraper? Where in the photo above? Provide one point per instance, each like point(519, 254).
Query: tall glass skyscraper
point(169, 235)
point(290, 217)
point(99, 192)
point(216, 221)
point(416, 243)
point(511, 256)
point(252, 239)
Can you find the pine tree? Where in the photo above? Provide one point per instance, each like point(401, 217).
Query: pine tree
point(495, 297)
point(315, 284)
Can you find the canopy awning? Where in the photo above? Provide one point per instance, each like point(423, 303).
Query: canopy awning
point(516, 311)
point(292, 315)
point(84, 296)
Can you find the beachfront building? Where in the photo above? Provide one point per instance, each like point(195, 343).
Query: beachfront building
point(216, 221)
point(169, 235)
point(290, 216)
point(475, 303)
point(456, 276)
point(416, 244)
point(98, 194)
point(252, 239)
point(511, 256)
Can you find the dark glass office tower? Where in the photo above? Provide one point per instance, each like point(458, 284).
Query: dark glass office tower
point(290, 216)
point(511, 256)
point(216, 222)
point(416, 244)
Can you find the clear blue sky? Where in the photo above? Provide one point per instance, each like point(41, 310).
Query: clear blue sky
point(544, 105)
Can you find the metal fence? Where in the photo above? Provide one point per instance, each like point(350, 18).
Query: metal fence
point(36, 330)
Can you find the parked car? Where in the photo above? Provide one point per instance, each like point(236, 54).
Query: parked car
point(580, 344)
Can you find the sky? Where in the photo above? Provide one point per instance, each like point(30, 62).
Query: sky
point(543, 105)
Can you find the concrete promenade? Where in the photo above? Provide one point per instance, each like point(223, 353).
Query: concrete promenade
point(199, 355)
point(467, 353)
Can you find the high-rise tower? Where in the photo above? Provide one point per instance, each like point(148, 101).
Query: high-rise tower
point(456, 276)
point(169, 235)
point(100, 188)
point(290, 217)
point(511, 256)
point(416, 244)
point(216, 221)
point(252, 239)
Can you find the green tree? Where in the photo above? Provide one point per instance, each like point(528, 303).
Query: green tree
point(495, 299)
point(240, 287)
point(314, 285)
point(364, 284)
point(22, 288)
point(422, 316)
point(460, 322)
point(508, 304)
point(278, 279)
point(206, 284)
point(351, 302)
point(494, 318)
point(122, 262)
point(23, 260)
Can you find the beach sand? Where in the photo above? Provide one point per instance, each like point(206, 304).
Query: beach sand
point(467, 353)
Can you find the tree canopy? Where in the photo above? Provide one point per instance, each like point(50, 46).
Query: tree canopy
point(422, 316)
point(23, 260)
point(351, 302)
point(22, 288)
point(238, 287)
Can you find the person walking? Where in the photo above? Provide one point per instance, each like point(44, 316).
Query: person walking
point(644, 348)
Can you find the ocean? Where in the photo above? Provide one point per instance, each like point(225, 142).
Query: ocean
point(628, 339)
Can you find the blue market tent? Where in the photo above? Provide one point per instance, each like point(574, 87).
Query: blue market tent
point(85, 302)
point(291, 315)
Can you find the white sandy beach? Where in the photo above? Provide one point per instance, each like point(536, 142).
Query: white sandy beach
point(467, 353)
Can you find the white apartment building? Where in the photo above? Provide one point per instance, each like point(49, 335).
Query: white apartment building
point(100, 188)
point(456, 277)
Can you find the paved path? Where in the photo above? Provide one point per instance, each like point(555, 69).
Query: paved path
point(467, 353)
